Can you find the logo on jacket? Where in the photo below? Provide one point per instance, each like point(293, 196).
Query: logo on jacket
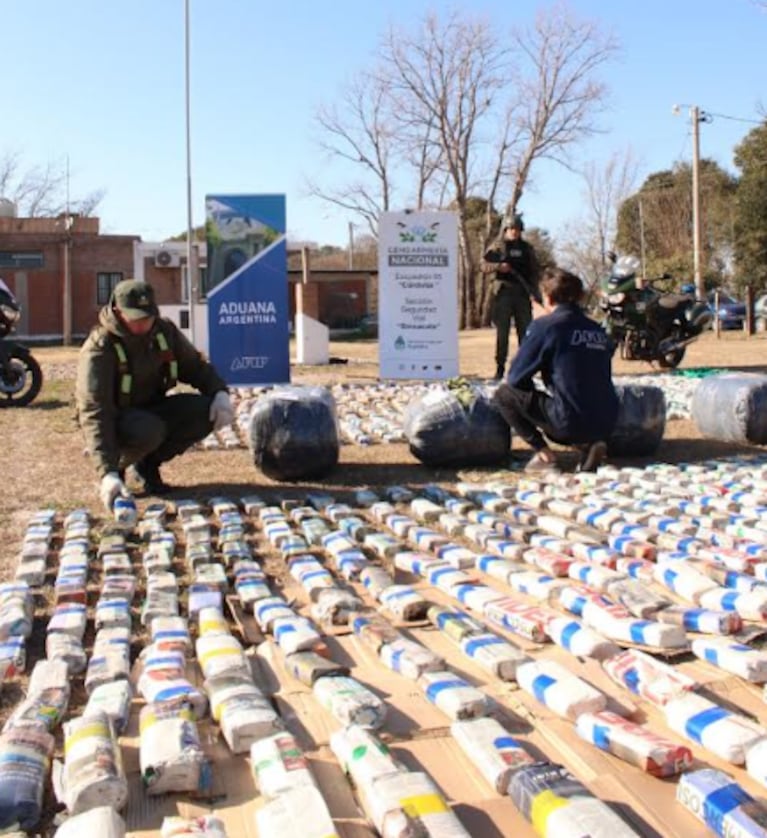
point(249, 362)
point(592, 338)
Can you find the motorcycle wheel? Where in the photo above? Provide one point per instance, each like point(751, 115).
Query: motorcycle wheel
point(671, 360)
point(20, 383)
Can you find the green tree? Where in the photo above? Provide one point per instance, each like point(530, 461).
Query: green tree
point(659, 216)
point(751, 209)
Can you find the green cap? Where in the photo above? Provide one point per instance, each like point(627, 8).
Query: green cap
point(135, 299)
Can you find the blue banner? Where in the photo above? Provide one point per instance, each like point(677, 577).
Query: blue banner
point(247, 288)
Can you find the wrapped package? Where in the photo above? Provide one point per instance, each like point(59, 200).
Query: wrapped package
point(301, 811)
point(279, 765)
point(293, 433)
point(106, 665)
point(404, 602)
point(69, 618)
point(221, 654)
point(453, 695)
point(444, 428)
point(645, 676)
point(720, 803)
point(701, 620)
point(373, 630)
point(170, 754)
point(495, 753)
point(295, 634)
point(642, 632)
point(241, 710)
point(409, 658)
point(634, 743)
point(25, 754)
point(13, 658)
point(47, 696)
point(559, 689)
point(409, 803)
point(525, 620)
point(456, 624)
point(350, 702)
point(210, 621)
point(68, 649)
point(726, 734)
point(266, 611)
point(740, 407)
point(744, 661)
point(114, 699)
point(308, 667)
point(334, 605)
point(581, 641)
point(361, 755)
point(494, 654)
point(16, 610)
point(559, 806)
point(641, 421)
point(93, 772)
point(171, 634)
point(163, 678)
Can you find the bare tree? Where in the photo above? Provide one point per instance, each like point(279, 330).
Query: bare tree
point(464, 112)
point(587, 239)
point(41, 191)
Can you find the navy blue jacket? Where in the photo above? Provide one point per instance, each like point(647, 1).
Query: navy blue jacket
point(573, 355)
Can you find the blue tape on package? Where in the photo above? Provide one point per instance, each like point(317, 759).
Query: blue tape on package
point(359, 623)
point(593, 517)
point(577, 605)
point(472, 645)
point(433, 690)
point(691, 619)
point(712, 656)
point(446, 617)
point(539, 686)
point(664, 524)
point(584, 573)
point(631, 680)
point(170, 693)
point(600, 736)
point(435, 575)
point(395, 659)
point(315, 574)
point(568, 632)
point(484, 562)
point(637, 630)
point(506, 742)
point(397, 594)
point(669, 577)
point(684, 544)
point(695, 725)
point(462, 591)
point(720, 802)
point(729, 601)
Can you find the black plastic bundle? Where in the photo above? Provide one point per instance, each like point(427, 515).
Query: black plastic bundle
point(641, 420)
point(732, 407)
point(294, 433)
point(451, 427)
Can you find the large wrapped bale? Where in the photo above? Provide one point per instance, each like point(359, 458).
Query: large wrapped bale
point(456, 427)
point(732, 407)
point(294, 433)
point(641, 420)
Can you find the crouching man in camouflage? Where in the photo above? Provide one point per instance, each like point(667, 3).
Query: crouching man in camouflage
point(127, 365)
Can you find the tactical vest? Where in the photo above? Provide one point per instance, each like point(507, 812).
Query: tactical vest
point(170, 367)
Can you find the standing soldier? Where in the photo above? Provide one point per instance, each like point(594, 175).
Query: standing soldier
point(516, 278)
point(126, 367)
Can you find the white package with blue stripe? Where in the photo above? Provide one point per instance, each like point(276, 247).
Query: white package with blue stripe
point(404, 602)
point(720, 803)
point(453, 695)
point(266, 611)
point(495, 753)
point(580, 640)
point(750, 606)
point(349, 701)
point(738, 658)
point(447, 576)
point(641, 632)
point(494, 654)
point(683, 579)
point(295, 634)
point(726, 734)
point(559, 689)
point(409, 658)
point(701, 619)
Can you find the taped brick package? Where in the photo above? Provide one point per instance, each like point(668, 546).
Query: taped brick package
point(349, 701)
point(559, 689)
point(453, 695)
point(102, 821)
point(714, 798)
point(738, 658)
point(495, 753)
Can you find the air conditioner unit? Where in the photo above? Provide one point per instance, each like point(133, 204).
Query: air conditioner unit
point(167, 259)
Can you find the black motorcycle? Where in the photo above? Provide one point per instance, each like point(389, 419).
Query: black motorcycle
point(646, 322)
point(20, 375)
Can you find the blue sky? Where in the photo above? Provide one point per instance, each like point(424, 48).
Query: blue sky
point(103, 83)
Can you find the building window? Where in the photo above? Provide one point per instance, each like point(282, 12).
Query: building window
point(105, 284)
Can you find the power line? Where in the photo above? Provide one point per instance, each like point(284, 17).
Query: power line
point(733, 118)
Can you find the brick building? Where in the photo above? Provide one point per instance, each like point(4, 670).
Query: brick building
point(63, 270)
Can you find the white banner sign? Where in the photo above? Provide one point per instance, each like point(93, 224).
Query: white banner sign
point(418, 294)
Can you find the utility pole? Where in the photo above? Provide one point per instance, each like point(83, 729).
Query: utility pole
point(700, 291)
point(191, 267)
point(696, 116)
point(351, 246)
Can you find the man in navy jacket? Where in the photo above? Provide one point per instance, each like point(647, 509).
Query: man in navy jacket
point(573, 355)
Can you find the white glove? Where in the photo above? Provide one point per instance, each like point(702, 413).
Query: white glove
point(221, 410)
point(111, 486)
